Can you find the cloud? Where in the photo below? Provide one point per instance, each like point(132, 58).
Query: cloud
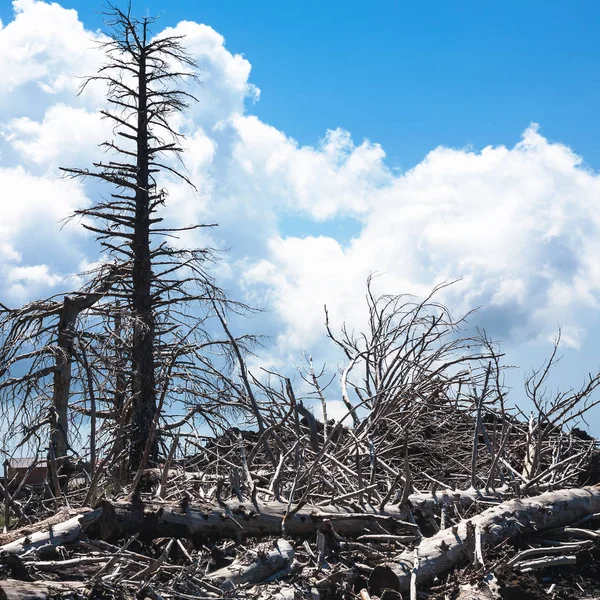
point(66, 135)
point(224, 85)
point(42, 51)
point(35, 255)
point(519, 225)
point(334, 178)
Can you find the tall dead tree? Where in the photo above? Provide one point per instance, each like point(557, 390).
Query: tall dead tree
point(165, 285)
point(135, 340)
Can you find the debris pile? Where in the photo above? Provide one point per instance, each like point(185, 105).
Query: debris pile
point(226, 523)
point(430, 486)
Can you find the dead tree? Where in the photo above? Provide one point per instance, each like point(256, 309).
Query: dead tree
point(167, 291)
point(134, 340)
point(38, 343)
point(553, 414)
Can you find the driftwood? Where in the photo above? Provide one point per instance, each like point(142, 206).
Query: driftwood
point(61, 515)
point(54, 534)
point(13, 589)
point(267, 564)
point(446, 549)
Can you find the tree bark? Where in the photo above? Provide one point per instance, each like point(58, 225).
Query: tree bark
point(266, 565)
point(57, 534)
point(143, 380)
point(509, 520)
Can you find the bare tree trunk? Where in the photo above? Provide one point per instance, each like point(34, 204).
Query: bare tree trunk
point(239, 520)
point(69, 312)
point(144, 384)
point(234, 521)
point(62, 381)
point(158, 275)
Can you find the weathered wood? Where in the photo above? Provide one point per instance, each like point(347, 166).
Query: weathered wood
point(71, 308)
point(267, 563)
point(153, 519)
point(547, 561)
point(60, 565)
point(62, 515)
point(473, 592)
point(13, 589)
point(54, 534)
point(544, 551)
point(509, 520)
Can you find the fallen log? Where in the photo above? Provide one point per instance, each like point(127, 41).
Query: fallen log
point(238, 520)
point(267, 564)
point(54, 534)
point(58, 517)
point(151, 520)
point(13, 589)
point(509, 520)
point(226, 520)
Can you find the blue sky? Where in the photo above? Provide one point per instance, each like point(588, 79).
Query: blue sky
point(334, 139)
point(411, 75)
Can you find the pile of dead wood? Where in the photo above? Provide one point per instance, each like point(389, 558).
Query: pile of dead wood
point(187, 531)
point(430, 486)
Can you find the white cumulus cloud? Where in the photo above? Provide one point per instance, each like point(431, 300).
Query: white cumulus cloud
point(42, 51)
point(518, 224)
point(35, 254)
